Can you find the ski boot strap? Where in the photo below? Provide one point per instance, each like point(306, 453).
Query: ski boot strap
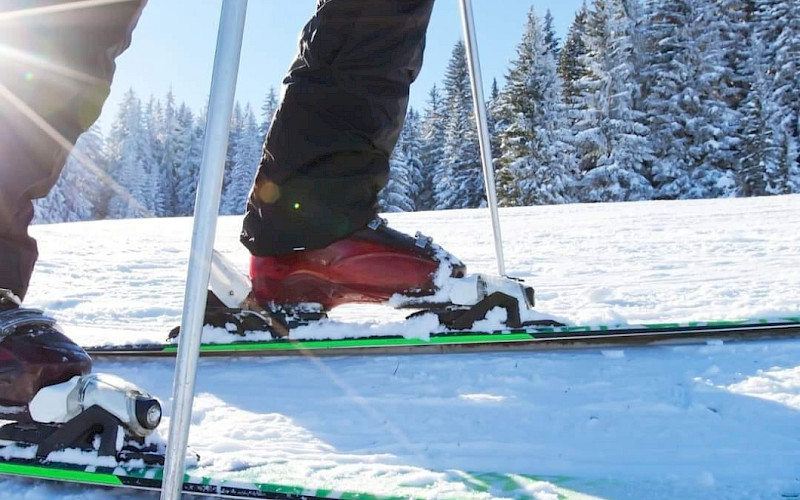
point(12, 319)
point(12, 316)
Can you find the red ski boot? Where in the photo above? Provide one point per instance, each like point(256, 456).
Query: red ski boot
point(372, 265)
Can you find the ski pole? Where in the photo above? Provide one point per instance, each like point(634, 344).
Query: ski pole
point(220, 109)
point(474, 63)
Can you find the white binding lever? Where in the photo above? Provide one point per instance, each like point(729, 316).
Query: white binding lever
point(468, 291)
point(472, 289)
point(231, 286)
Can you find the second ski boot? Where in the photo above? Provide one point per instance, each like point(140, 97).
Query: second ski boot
point(373, 265)
point(34, 353)
point(55, 403)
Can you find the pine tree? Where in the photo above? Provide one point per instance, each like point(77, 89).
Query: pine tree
point(536, 166)
point(670, 77)
point(268, 110)
point(571, 64)
point(234, 141)
point(130, 157)
point(405, 170)
point(551, 41)
point(172, 138)
point(188, 171)
point(459, 183)
point(156, 199)
point(735, 39)
point(760, 166)
point(778, 32)
point(78, 194)
point(493, 110)
point(611, 135)
point(715, 130)
point(412, 149)
point(247, 153)
point(432, 136)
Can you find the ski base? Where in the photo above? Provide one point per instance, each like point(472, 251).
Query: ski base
point(529, 339)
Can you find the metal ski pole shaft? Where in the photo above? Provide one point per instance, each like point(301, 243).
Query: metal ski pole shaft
point(473, 61)
point(220, 108)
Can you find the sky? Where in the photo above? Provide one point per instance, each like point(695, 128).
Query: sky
point(173, 46)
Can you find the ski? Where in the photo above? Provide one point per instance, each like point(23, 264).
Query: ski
point(530, 338)
point(150, 478)
point(516, 486)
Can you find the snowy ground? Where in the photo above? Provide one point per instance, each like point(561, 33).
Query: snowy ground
point(717, 421)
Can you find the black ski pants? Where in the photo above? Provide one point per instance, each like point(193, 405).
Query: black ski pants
point(56, 64)
point(326, 156)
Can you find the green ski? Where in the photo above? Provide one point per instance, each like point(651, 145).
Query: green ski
point(533, 338)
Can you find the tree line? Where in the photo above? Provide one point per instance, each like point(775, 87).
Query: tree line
point(644, 99)
point(149, 162)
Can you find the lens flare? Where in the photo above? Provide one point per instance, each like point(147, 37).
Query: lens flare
point(15, 15)
point(37, 120)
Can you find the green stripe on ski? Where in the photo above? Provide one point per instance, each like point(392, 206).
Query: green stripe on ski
point(56, 474)
point(299, 345)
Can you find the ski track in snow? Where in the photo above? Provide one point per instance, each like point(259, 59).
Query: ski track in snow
point(715, 421)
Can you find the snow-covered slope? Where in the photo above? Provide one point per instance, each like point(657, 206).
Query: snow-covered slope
point(718, 421)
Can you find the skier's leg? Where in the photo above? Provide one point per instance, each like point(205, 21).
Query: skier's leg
point(56, 65)
point(326, 156)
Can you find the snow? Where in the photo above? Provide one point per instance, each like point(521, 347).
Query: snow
point(692, 422)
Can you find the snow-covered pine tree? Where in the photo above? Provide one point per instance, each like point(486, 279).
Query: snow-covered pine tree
point(412, 149)
point(759, 172)
point(246, 155)
point(90, 169)
point(715, 130)
point(791, 150)
point(537, 164)
point(268, 109)
point(432, 135)
point(170, 135)
point(571, 64)
point(552, 43)
point(735, 38)
point(590, 140)
point(727, 43)
point(78, 194)
point(404, 170)
point(493, 117)
point(188, 166)
point(460, 181)
point(395, 196)
point(611, 134)
point(155, 130)
point(236, 131)
point(778, 31)
point(129, 158)
point(672, 102)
